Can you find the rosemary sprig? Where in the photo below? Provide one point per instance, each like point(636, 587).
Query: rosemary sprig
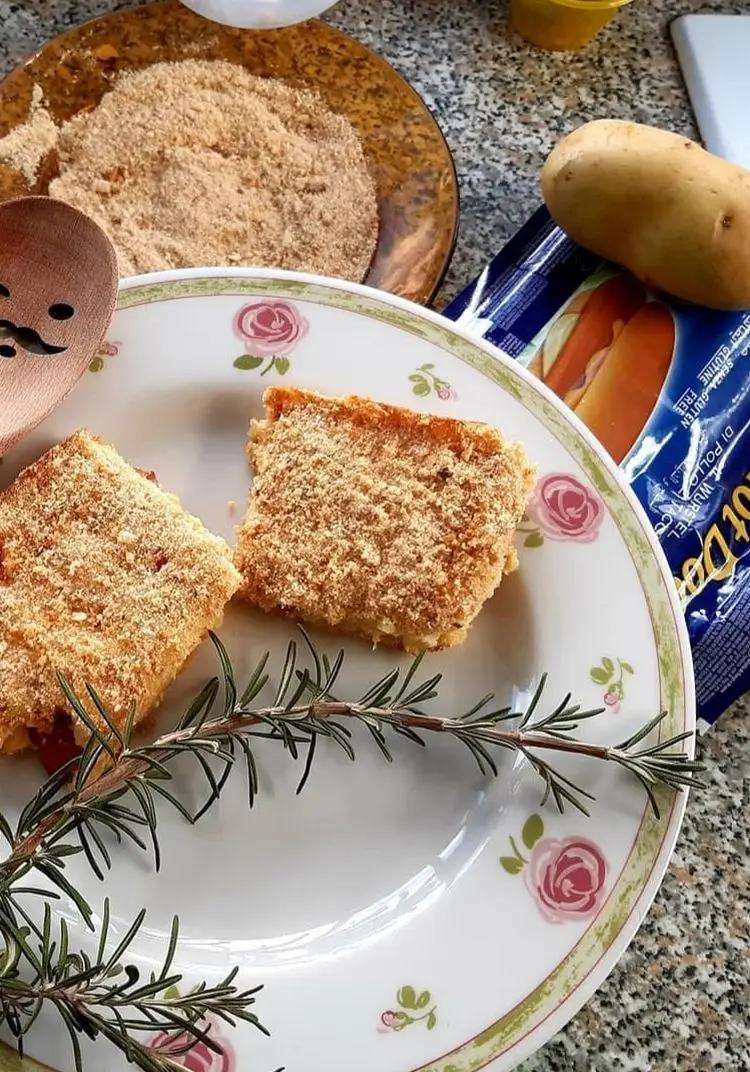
point(105, 998)
point(304, 709)
point(117, 785)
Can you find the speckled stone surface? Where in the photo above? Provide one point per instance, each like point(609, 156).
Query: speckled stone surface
point(679, 998)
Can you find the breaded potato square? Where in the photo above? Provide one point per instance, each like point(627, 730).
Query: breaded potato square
point(105, 579)
point(378, 521)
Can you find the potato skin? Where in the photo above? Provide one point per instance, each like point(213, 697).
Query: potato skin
point(675, 215)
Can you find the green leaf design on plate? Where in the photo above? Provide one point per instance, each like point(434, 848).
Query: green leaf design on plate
point(282, 365)
point(427, 365)
point(627, 668)
point(96, 365)
point(247, 361)
point(533, 829)
point(534, 539)
point(511, 864)
point(422, 388)
point(407, 998)
point(598, 676)
point(608, 665)
point(418, 1005)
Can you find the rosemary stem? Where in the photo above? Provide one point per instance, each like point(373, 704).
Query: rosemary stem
point(127, 767)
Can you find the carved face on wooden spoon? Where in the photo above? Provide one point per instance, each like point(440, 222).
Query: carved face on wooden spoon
point(58, 285)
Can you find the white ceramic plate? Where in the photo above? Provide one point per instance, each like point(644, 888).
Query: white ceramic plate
point(411, 916)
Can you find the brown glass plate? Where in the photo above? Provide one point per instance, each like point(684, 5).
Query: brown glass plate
point(407, 153)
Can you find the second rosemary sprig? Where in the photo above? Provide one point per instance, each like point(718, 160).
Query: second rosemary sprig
point(102, 996)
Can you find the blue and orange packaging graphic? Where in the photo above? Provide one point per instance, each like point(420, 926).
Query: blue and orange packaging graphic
point(665, 386)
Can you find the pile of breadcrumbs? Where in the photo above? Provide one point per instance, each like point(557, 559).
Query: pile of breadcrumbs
point(200, 163)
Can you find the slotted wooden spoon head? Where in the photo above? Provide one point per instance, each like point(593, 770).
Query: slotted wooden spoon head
point(58, 286)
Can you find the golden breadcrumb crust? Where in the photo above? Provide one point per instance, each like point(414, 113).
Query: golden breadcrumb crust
point(103, 578)
point(376, 520)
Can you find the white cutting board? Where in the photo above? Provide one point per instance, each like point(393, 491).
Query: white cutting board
point(714, 53)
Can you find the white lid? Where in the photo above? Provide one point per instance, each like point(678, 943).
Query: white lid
point(258, 14)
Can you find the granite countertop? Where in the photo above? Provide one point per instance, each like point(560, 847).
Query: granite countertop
point(678, 999)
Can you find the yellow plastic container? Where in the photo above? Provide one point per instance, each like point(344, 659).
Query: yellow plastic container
point(559, 25)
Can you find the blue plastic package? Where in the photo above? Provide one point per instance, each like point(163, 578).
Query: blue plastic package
point(666, 388)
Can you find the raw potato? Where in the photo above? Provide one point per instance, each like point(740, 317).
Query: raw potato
point(676, 216)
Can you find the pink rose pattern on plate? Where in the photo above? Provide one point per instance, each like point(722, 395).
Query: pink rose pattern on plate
point(413, 1010)
point(565, 877)
point(611, 674)
point(425, 381)
point(107, 349)
point(198, 1058)
point(269, 331)
point(562, 508)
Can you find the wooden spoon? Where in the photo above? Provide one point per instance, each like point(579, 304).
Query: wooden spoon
point(58, 286)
